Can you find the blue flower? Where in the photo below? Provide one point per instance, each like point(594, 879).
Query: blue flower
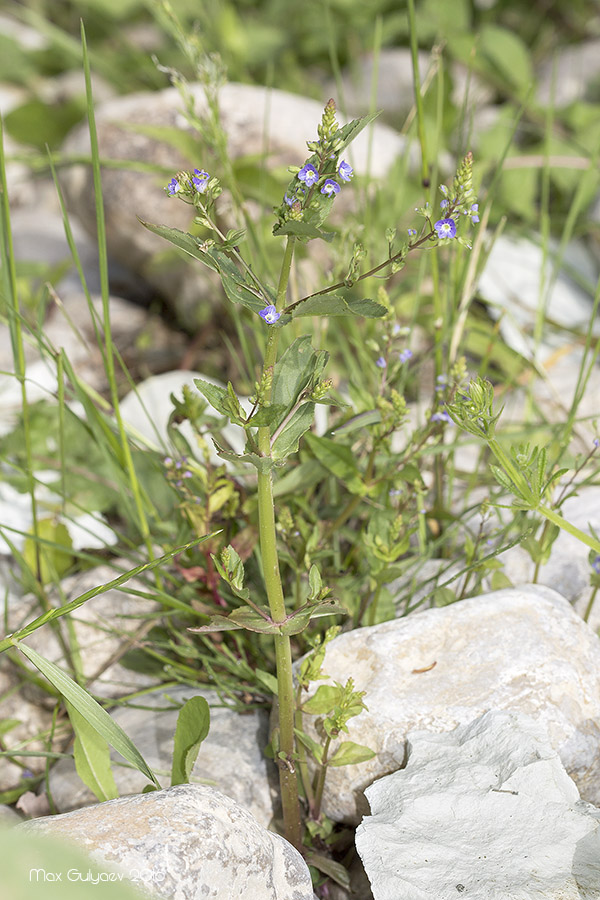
point(405, 355)
point(446, 228)
point(444, 204)
point(441, 417)
point(269, 314)
point(412, 232)
point(200, 180)
point(173, 186)
point(596, 565)
point(330, 187)
point(596, 442)
point(345, 171)
point(474, 212)
point(288, 200)
point(381, 363)
point(308, 174)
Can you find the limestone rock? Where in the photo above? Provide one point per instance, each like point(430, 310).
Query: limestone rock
point(486, 810)
point(256, 120)
point(524, 650)
point(512, 282)
point(231, 757)
point(188, 842)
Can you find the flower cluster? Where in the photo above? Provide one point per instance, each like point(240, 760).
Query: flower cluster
point(457, 201)
point(322, 173)
point(195, 187)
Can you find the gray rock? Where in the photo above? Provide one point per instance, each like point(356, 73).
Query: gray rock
point(511, 283)
point(188, 842)
point(487, 810)
point(231, 758)
point(571, 76)
point(9, 816)
point(523, 650)
point(255, 120)
point(395, 90)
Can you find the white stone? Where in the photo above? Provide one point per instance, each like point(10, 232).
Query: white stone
point(486, 810)
point(514, 279)
point(231, 757)
point(188, 842)
point(147, 408)
point(524, 650)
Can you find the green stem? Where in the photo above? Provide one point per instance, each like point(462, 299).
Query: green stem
point(588, 609)
point(320, 780)
point(270, 562)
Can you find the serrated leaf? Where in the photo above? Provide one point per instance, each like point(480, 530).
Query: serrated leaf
point(302, 230)
point(95, 715)
point(323, 700)
point(349, 132)
point(288, 439)
point(216, 623)
point(253, 621)
point(92, 757)
point(338, 305)
point(297, 622)
point(311, 745)
point(349, 754)
point(215, 395)
point(263, 464)
point(193, 723)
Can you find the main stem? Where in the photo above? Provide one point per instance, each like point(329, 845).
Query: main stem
point(270, 561)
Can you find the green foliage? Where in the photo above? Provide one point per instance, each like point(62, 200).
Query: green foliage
point(193, 723)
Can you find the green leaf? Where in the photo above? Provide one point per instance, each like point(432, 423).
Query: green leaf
point(263, 464)
point(237, 288)
point(323, 700)
point(339, 460)
point(193, 723)
point(215, 395)
point(298, 366)
point(54, 543)
point(216, 623)
point(311, 745)
point(508, 54)
point(347, 133)
point(288, 439)
point(297, 622)
point(241, 618)
point(87, 707)
point(362, 420)
point(330, 867)
point(338, 305)
point(348, 754)
point(315, 583)
point(92, 757)
point(27, 855)
point(302, 230)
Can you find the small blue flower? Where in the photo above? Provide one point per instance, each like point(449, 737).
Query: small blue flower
point(173, 187)
point(596, 565)
point(412, 232)
point(474, 212)
point(444, 204)
point(200, 180)
point(441, 417)
point(444, 189)
point(330, 187)
point(596, 442)
point(269, 314)
point(405, 355)
point(345, 171)
point(446, 228)
point(168, 461)
point(381, 363)
point(308, 174)
point(288, 200)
